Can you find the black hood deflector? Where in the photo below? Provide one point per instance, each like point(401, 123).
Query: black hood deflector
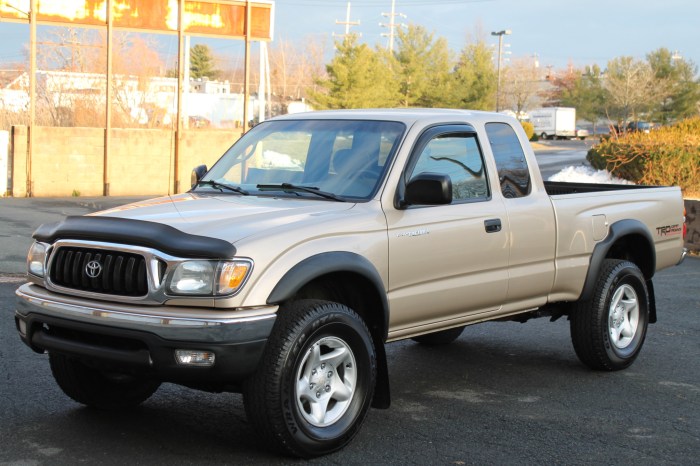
point(158, 236)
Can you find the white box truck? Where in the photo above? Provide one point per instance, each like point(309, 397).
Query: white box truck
point(554, 122)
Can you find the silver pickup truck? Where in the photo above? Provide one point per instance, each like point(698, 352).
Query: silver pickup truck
point(318, 238)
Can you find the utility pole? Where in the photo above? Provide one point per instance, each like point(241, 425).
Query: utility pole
point(246, 77)
point(347, 24)
point(32, 94)
point(180, 96)
point(392, 25)
point(108, 101)
point(500, 34)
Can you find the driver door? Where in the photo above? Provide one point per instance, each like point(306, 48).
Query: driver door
point(447, 261)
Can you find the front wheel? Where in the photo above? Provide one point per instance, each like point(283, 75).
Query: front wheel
point(608, 330)
point(315, 381)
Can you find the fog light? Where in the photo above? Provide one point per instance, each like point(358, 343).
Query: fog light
point(22, 327)
point(194, 357)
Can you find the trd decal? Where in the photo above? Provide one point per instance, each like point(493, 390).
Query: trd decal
point(669, 230)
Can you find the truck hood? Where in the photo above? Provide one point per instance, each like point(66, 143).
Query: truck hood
point(228, 217)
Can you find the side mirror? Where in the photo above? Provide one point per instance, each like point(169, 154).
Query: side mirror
point(428, 189)
point(197, 174)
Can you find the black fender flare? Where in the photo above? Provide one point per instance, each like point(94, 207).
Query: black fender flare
point(327, 263)
point(617, 230)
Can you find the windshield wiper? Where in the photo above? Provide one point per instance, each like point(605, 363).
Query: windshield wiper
point(296, 188)
point(222, 186)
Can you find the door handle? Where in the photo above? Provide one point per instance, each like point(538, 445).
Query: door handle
point(492, 225)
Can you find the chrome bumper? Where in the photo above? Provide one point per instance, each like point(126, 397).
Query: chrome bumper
point(167, 322)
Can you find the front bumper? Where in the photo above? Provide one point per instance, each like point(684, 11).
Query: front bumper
point(144, 338)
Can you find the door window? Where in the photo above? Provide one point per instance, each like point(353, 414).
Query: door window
point(513, 172)
point(457, 155)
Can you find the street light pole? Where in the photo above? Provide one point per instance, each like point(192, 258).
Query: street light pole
point(500, 34)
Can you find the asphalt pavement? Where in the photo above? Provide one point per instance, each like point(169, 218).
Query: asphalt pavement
point(554, 156)
point(503, 393)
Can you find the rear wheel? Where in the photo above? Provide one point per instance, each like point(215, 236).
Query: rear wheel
point(98, 389)
point(608, 330)
point(443, 337)
point(315, 381)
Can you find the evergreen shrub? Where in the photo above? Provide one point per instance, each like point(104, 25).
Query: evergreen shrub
point(668, 156)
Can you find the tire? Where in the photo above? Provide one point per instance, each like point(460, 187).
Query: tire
point(543, 136)
point(444, 337)
point(315, 381)
point(98, 389)
point(608, 330)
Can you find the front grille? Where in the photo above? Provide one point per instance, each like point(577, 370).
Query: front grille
point(110, 272)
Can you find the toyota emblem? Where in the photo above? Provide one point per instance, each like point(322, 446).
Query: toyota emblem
point(93, 269)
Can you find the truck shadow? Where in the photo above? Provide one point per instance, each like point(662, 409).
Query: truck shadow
point(488, 371)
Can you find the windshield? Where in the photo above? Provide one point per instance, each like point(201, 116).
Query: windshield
point(340, 158)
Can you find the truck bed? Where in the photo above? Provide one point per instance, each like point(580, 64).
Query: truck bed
point(562, 187)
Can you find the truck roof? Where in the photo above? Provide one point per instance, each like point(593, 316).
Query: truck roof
point(405, 115)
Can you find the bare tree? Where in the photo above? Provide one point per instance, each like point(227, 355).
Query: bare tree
point(521, 85)
point(294, 69)
point(136, 62)
point(69, 90)
point(71, 83)
point(629, 84)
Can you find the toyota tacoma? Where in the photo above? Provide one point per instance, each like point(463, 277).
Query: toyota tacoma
point(318, 238)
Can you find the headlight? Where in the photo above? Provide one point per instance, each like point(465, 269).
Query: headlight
point(207, 278)
point(193, 278)
point(36, 258)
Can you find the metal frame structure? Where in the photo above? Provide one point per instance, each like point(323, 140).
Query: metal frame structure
point(243, 20)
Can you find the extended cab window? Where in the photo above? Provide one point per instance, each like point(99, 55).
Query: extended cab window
point(459, 156)
point(513, 172)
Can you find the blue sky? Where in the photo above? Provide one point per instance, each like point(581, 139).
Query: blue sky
point(557, 31)
point(583, 31)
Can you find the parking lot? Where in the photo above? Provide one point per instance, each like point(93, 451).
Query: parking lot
point(503, 393)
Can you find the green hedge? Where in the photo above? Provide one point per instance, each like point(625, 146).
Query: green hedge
point(668, 156)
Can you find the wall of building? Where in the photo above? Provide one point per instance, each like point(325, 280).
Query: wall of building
point(17, 162)
point(70, 161)
point(4, 152)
